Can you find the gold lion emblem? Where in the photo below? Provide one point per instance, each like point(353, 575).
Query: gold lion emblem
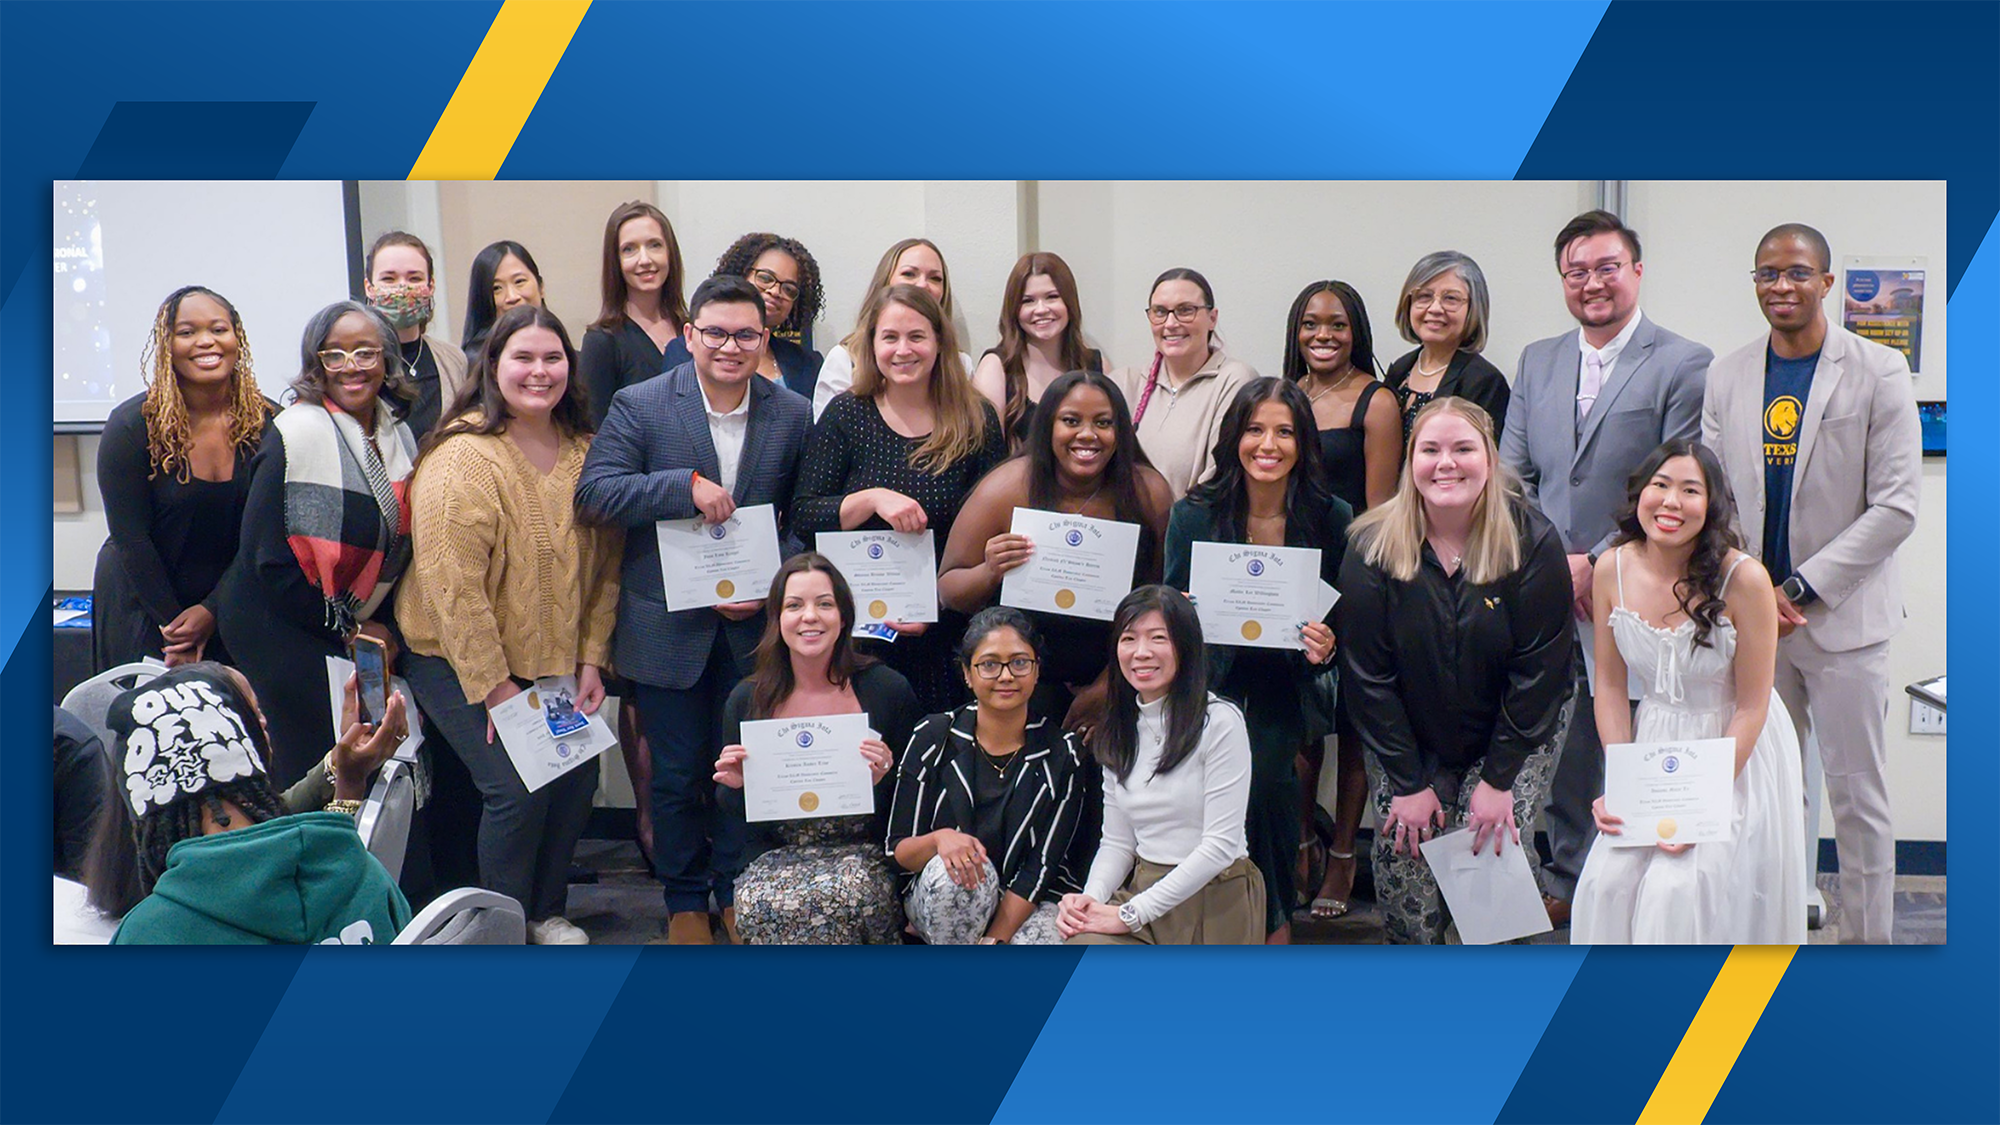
point(1781, 418)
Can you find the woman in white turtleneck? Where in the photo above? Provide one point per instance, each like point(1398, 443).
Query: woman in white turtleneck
point(1174, 865)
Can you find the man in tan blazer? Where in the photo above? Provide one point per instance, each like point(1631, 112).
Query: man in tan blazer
point(1817, 431)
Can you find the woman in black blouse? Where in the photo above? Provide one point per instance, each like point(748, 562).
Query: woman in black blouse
point(637, 333)
point(1041, 340)
point(1454, 627)
point(174, 467)
point(1268, 490)
point(901, 451)
point(987, 801)
point(504, 276)
point(1444, 310)
point(784, 271)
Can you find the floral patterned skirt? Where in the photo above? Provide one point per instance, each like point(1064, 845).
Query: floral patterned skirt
point(819, 894)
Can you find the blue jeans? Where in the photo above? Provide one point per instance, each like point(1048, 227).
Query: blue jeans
point(697, 846)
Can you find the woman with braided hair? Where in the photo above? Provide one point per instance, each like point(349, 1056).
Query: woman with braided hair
point(784, 271)
point(174, 469)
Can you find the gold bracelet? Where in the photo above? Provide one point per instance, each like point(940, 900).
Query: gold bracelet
point(348, 808)
point(327, 764)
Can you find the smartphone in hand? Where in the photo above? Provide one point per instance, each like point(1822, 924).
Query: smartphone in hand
point(371, 667)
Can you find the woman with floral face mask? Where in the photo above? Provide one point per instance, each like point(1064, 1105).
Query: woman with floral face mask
point(400, 287)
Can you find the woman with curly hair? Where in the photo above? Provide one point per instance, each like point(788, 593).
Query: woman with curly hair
point(784, 271)
point(174, 467)
point(1676, 603)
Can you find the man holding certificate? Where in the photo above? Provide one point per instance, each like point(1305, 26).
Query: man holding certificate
point(705, 440)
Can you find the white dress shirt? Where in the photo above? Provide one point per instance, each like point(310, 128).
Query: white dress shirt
point(726, 431)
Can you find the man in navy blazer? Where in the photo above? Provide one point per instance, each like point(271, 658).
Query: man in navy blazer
point(701, 439)
point(1588, 407)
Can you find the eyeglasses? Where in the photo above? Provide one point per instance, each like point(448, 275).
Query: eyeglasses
point(360, 359)
point(1449, 302)
point(1158, 314)
point(765, 279)
point(1797, 275)
point(1020, 666)
point(715, 337)
point(1606, 273)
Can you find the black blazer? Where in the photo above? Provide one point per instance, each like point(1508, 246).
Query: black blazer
point(1044, 801)
point(1469, 376)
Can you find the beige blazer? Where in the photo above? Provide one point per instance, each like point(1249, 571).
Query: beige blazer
point(452, 369)
point(1855, 485)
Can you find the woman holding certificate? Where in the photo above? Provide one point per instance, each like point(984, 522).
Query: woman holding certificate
point(506, 588)
point(1174, 867)
point(1707, 668)
point(900, 452)
point(987, 801)
point(1454, 635)
point(815, 879)
point(1267, 490)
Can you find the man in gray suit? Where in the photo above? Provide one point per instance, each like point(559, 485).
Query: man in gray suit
point(701, 439)
point(1817, 430)
point(1588, 407)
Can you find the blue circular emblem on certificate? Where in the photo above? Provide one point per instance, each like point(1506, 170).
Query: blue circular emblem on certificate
point(1256, 567)
point(562, 749)
point(805, 739)
point(717, 531)
point(874, 550)
point(1670, 763)
point(1073, 537)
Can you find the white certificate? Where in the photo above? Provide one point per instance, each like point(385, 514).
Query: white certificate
point(795, 769)
point(893, 573)
point(545, 735)
point(705, 564)
point(1493, 898)
point(1081, 566)
point(1671, 792)
point(1254, 596)
point(338, 668)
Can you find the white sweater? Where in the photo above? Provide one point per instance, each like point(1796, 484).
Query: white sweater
point(1191, 818)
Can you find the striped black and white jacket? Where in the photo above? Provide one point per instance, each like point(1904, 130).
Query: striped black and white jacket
point(1044, 799)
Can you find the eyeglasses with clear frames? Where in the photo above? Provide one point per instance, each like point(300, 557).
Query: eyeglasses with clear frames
point(1158, 314)
point(715, 338)
point(1450, 301)
point(360, 359)
point(1607, 272)
point(765, 279)
point(1020, 666)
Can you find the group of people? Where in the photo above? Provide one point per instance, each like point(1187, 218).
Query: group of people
point(1720, 532)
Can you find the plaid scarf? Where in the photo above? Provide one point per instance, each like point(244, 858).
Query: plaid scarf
point(347, 506)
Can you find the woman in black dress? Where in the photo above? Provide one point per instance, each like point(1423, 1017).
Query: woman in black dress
point(1330, 354)
point(637, 333)
point(1267, 490)
point(1041, 340)
point(174, 467)
point(1444, 310)
point(901, 451)
point(784, 271)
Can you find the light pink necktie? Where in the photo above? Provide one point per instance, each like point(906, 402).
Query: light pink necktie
point(1593, 382)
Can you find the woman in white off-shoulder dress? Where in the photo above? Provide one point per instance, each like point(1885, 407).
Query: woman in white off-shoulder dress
point(1694, 620)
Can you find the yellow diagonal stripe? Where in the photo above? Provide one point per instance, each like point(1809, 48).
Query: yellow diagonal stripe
point(499, 90)
point(1723, 1024)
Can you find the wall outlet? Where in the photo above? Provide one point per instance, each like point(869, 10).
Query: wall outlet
point(1925, 719)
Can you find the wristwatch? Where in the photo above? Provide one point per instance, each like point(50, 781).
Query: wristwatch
point(1795, 590)
point(1129, 915)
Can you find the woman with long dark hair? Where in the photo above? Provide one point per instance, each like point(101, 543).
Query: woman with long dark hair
point(822, 881)
point(504, 276)
point(637, 333)
point(1174, 867)
point(174, 468)
point(1041, 340)
point(1177, 401)
point(1267, 490)
point(1679, 602)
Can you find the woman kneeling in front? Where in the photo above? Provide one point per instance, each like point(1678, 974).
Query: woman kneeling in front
point(987, 800)
point(1176, 790)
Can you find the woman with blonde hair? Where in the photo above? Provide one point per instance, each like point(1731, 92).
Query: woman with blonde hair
point(1041, 340)
point(174, 467)
point(1454, 637)
point(913, 261)
point(901, 451)
point(1444, 310)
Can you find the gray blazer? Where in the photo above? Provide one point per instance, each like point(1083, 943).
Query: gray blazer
point(641, 470)
point(1854, 486)
point(1652, 394)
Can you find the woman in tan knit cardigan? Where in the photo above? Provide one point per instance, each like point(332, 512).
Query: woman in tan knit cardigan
point(504, 588)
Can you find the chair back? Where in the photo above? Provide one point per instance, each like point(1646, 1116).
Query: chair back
point(91, 699)
point(384, 822)
point(467, 916)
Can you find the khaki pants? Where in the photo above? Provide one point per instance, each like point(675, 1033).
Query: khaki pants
point(1228, 911)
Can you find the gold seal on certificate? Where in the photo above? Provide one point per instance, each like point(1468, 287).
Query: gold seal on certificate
point(1082, 566)
point(704, 564)
point(810, 767)
point(1671, 792)
point(1255, 596)
point(808, 802)
point(893, 573)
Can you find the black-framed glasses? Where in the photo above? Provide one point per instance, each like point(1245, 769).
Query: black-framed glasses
point(1797, 275)
point(1606, 273)
point(714, 338)
point(991, 669)
point(765, 279)
point(1158, 314)
point(360, 359)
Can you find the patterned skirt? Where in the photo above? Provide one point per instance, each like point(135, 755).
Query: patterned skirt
point(819, 894)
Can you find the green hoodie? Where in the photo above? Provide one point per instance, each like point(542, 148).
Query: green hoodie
point(296, 880)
